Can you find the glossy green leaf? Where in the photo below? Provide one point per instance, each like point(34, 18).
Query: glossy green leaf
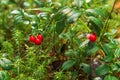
point(79, 3)
point(66, 10)
point(93, 50)
point(97, 78)
point(108, 51)
point(86, 68)
point(89, 48)
point(102, 70)
point(96, 21)
point(61, 14)
point(117, 52)
point(18, 19)
point(6, 64)
point(1, 76)
point(44, 15)
point(102, 12)
point(110, 77)
point(98, 11)
point(69, 52)
point(68, 64)
point(84, 43)
point(39, 2)
point(114, 67)
point(60, 26)
point(73, 16)
point(97, 24)
point(4, 75)
point(109, 58)
point(112, 45)
point(15, 12)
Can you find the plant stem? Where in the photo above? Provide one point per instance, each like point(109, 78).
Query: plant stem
point(48, 24)
point(85, 25)
point(105, 27)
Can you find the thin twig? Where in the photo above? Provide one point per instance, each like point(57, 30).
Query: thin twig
point(107, 20)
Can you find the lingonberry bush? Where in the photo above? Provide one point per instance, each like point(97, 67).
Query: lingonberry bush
point(59, 40)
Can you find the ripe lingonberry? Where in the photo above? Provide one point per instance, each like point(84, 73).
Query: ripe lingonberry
point(32, 38)
point(92, 37)
point(37, 41)
point(40, 36)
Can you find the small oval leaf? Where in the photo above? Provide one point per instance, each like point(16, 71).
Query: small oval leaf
point(68, 64)
point(102, 70)
point(109, 77)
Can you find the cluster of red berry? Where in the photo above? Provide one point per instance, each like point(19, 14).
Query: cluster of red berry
point(37, 40)
point(92, 37)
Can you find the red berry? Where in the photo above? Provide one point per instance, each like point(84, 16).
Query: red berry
point(92, 37)
point(32, 38)
point(38, 41)
point(40, 37)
